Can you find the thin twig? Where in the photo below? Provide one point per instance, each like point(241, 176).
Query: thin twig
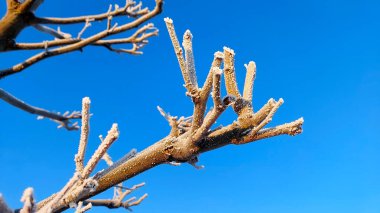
point(63, 120)
point(57, 34)
point(111, 137)
point(28, 200)
point(179, 53)
point(190, 64)
point(123, 11)
point(229, 72)
point(140, 36)
point(85, 129)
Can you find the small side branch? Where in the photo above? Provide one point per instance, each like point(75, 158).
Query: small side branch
point(229, 72)
point(112, 136)
point(62, 120)
point(187, 77)
point(139, 37)
point(292, 129)
point(129, 9)
point(189, 55)
point(56, 33)
point(117, 200)
point(249, 80)
point(3, 206)
point(85, 129)
point(80, 208)
point(28, 200)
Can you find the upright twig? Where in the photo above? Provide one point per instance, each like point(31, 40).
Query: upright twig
point(28, 200)
point(85, 129)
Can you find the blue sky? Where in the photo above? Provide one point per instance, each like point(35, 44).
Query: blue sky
point(321, 56)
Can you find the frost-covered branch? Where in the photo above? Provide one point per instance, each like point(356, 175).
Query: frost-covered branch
point(82, 184)
point(64, 120)
point(14, 22)
point(190, 137)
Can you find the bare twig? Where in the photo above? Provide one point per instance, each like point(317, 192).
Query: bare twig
point(117, 200)
point(80, 208)
point(111, 137)
point(229, 72)
point(84, 134)
point(249, 79)
point(3, 206)
point(56, 33)
point(28, 200)
point(86, 25)
point(190, 64)
point(187, 77)
point(129, 9)
point(62, 120)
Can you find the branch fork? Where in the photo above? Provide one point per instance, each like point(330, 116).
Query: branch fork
point(81, 184)
point(189, 137)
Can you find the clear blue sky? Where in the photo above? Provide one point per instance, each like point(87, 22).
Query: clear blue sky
point(321, 56)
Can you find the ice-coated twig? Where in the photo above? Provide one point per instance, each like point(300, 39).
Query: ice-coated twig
point(111, 137)
point(216, 111)
point(140, 36)
point(190, 64)
point(63, 120)
point(55, 33)
point(3, 206)
point(80, 208)
point(229, 72)
point(28, 200)
point(249, 80)
point(85, 129)
point(117, 200)
point(191, 88)
point(86, 25)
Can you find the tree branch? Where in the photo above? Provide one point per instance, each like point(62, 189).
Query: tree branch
point(129, 9)
point(186, 144)
point(140, 36)
point(63, 120)
point(138, 39)
point(85, 129)
point(28, 200)
point(3, 206)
